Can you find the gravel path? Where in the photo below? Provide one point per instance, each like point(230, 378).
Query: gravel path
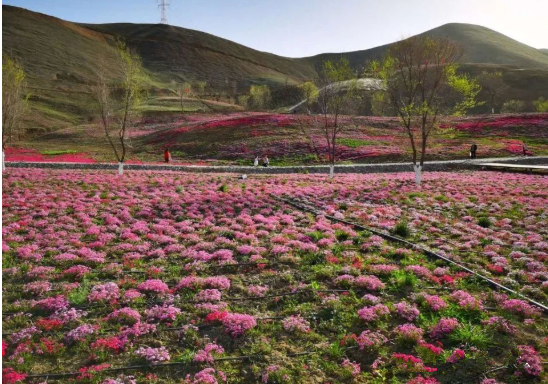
point(450, 165)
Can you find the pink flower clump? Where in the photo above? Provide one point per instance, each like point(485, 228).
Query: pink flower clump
point(407, 311)
point(444, 327)
point(373, 313)
point(520, 307)
point(466, 300)
point(528, 362)
point(153, 286)
point(104, 292)
point(371, 340)
point(206, 355)
point(409, 333)
point(296, 323)
point(435, 303)
point(153, 355)
point(371, 283)
point(237, 324)
point(458, 354)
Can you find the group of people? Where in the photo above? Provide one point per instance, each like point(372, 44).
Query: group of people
point(264, 162)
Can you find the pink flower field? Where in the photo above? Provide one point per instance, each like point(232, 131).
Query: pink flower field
point(236, 138)
point(163, 277)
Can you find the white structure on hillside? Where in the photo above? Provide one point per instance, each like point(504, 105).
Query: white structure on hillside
point(365, 84)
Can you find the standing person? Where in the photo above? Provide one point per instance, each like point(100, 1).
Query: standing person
point(256, 161)
point(167, 156)
point(473, 150)
point(525, 149)
point(266, 162)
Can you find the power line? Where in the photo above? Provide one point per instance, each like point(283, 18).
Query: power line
point(163, 5)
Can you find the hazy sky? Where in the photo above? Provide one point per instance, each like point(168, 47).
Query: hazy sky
point(298, 28)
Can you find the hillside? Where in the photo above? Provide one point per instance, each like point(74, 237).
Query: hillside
point(174, 53)
point(544, 50)
point(46, 45)
point(60, 58)
point(482, 46)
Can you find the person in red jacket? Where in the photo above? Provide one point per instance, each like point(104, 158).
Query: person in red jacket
point(167, 156)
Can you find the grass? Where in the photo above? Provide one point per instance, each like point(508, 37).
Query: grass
point(59, 152)
point(355, 143)
point(471, 335)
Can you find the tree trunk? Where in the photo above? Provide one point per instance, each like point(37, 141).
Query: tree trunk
point(120, 168)
point(418, 174)
point(331, 170)
point(3, 160)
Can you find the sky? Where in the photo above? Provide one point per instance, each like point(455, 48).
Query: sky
point(298, 28)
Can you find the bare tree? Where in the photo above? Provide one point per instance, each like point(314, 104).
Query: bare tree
point(13, 100)
point(117, 105)
point(419, 73)
point(338, 87)
point(183, 90)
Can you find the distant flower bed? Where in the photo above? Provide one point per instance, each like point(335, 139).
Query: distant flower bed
point(17, 154)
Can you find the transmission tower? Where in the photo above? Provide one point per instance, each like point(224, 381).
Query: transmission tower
point(163, 5)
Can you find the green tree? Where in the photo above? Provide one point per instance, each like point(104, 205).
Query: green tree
point(259, 97)
point(494, 87)
point(199, 88)
point(379, 103)
point(243, 100)
point(541, 105)
point(420, 77)
point(118, 110)
point(13, 100)
point(310, 94)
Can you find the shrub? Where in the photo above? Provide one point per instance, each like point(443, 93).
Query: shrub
point(223, 188)
point(484, 222)
point(341, 235)
point(402, 229)
point(405, 279)
point(513, 106)
point(541, 104)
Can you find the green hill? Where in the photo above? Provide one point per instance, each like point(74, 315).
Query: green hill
point(60, 58)
point(544, 50)
point(482, 46)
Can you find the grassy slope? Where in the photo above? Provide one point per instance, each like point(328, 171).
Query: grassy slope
point(175, 53)
point(61, 56)
point(237, 138)
point(544, 50)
